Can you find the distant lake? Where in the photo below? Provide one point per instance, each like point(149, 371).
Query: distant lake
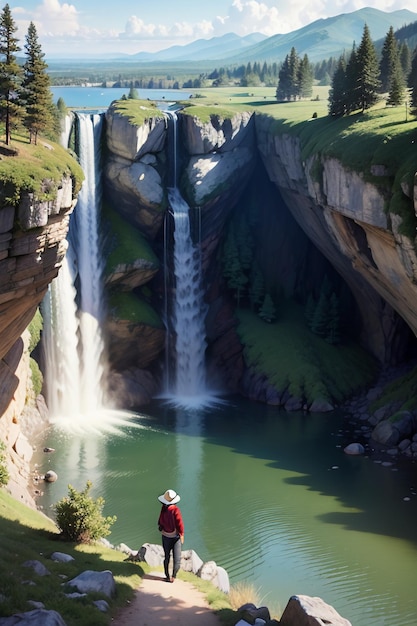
point(101, 97)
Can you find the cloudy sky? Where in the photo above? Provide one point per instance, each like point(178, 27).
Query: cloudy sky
point(84, 27)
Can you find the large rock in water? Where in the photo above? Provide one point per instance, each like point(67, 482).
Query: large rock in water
point(308, 611)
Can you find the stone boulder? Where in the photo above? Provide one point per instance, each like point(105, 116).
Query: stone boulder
point(130, 141)
point(37, 617)
point(218, 134)
point(390, 432)
point(98, 582)
point(354, 449)
point(208, 176)
point(309, 611)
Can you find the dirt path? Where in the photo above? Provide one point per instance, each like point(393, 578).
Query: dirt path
point(158, 602)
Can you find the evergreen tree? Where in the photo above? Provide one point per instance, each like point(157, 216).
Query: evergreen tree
point(337, 93)
point(10, 72)
point(396, 84)
point(36, 88)
point(309, 310)
point(368, 72)
point(405, 60)
point(388, 56)
point(267, 312)
point(232, 268)
point(305, 78)
point(288, 86)
point(284, 82)
point(133, 94)
point(352, 82)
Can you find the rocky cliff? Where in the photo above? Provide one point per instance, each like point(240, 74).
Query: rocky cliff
point(309, 212)
point(32, 245)
point(339, 211)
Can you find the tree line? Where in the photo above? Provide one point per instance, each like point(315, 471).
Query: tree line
point(25, 95)
point(361, 77)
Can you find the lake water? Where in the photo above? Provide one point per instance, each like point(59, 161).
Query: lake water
point(269, 496)
point(100, 98)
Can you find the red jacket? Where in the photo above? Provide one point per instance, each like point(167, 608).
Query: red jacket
point(170, 521)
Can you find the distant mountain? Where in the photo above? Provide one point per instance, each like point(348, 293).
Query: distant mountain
point(215, 48)
point(319, 40)
point(327, 37)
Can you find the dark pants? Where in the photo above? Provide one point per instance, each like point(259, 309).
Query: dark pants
point(172, 544)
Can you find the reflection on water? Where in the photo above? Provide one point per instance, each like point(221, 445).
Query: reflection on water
point(269, 496)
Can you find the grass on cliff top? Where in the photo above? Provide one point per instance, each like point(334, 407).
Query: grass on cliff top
point(31, 165)
point(28, 535)
point(137, 111)
point(293, 357)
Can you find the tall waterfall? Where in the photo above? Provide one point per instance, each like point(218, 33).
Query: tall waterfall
point(72, 338)
point(189, 385)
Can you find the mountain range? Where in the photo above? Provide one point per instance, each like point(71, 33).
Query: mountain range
point(320, 40)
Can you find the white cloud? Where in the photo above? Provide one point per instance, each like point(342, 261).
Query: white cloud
point(52, 17)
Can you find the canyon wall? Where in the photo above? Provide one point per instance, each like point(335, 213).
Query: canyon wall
point(339, 211)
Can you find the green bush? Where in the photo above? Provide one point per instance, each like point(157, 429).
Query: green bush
point(4, 473)
point(79, 517)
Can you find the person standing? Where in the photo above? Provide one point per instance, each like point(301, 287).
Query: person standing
point(172, 528)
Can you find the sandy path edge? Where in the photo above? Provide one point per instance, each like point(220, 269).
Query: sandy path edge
point(156, 602)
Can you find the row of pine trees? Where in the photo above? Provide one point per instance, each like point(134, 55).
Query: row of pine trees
point(361, 78)
point(25, 95)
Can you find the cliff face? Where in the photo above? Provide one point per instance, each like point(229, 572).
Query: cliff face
point(345, 217)
point(32, 246)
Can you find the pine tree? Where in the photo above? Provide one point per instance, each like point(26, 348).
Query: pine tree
point(36, 88)
point(321, 316)
point(388, 56)
point(396, 84)
point(288, 85)
point(337, 93)
point(368, 72)
point(352, 82)
point(305, 78)
point(10, 73)
point(405, 60)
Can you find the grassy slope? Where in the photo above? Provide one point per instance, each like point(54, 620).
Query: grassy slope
point(29, 535)
point(293, 357)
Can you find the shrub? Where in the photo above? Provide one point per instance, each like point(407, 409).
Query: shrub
point(4, 472)
point(79, 517)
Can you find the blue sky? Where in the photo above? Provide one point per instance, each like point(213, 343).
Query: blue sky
point(85, 27)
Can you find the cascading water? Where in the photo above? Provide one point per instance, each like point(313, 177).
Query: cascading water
point(72, 338)
point(189, 385)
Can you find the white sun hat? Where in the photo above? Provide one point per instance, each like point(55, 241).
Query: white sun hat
point(169, 497)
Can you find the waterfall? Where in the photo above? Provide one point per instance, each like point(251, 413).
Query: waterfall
point(73, 307)
point(189, 385)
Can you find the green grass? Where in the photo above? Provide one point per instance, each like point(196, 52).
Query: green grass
point(26, 534)
point(29, 535)
point(27, 171)
point(128, 306)
point(402, 390)
point(294, 358)
point(125, 244)
point(137, 111)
